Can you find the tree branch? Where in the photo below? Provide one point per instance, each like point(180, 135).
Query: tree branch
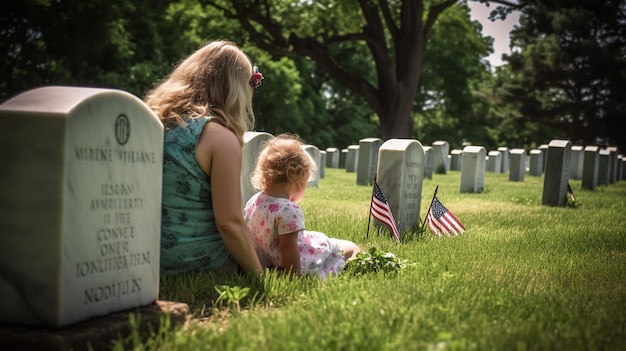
point(391, 25)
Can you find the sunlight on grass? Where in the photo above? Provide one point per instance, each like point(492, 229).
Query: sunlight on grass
point(522, 277)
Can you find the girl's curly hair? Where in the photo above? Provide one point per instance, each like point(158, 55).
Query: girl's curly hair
point(283, 160)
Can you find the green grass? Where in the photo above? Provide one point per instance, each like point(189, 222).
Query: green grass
point(522, 277)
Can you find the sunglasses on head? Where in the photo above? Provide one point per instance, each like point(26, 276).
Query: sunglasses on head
point(257, 78)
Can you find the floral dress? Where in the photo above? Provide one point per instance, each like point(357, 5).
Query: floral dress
point(268, 217)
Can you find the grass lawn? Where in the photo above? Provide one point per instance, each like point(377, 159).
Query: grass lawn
point(522, 277)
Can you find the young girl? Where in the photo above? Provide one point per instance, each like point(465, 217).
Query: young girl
point(275, 220)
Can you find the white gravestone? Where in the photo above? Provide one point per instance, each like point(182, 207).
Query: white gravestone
point(332, 157)
point(455, 159)
point(368, 160)
point(535, 167)
point(400, 176)
point(612, 164)
point(314, 152)
point(473, 169)
point(428, 168)
point(590, 167)
point(623, 168)
point(440, 156)
point(342, 158)
point(576, 162)
point(352, 158)
point(544, 155)
point(81, 205)
point(253, 144)
point(322, 164)
point(517, 169)
point(604, 166)
point(557, 173)
point(494, 161)
point(505, 154)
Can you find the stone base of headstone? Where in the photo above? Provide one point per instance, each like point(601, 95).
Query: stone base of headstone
point(93, 334)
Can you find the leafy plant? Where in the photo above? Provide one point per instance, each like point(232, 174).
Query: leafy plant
point(375, 260)
point(231, 295)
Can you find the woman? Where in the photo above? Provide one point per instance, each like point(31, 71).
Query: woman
point(205, 105)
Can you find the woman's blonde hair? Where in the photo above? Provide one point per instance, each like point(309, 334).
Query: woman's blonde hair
point(213, 81)
point(283, 160)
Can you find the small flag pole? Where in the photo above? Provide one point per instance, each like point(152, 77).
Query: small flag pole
point(429, 207)
point(369, 218)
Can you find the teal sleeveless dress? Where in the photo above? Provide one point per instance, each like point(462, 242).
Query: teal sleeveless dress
point(190, 240)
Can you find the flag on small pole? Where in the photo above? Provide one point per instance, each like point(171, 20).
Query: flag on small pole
point(381, 211)
point(441, 221)
point(571, 193)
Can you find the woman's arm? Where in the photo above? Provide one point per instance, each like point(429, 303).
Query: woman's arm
point(288, 245)
point(219, 154)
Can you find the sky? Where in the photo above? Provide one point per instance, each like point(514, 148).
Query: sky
point(498, 30)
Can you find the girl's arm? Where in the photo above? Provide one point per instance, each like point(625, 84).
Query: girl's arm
point(288, 245)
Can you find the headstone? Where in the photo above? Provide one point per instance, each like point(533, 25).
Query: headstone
point(535, 166)
point(322, 165)
point(494, 161)
point(440, 156)
point(504, 153)
point(352, 158)
point(314, 152)
point(544, 155)
point(466, 143)
point(591, 164)
point(612, 164)
point(576, 162)
point(428, 168)
point(620, 168)
point(557, 173)
point(368, 160)
point(517, 169)
point(473, 169)
point(342, 158)
point(604, 167)
point(455, 159)
point(253, 144)
point(623, 168)
point(81, 205)
point(400, 177)
point(332, 157)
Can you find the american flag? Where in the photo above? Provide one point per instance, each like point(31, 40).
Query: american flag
point(441, 221)
point(382, 212)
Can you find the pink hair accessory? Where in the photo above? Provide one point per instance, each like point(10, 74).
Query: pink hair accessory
point(257, 78)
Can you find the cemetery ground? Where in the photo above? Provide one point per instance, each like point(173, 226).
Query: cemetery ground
point(522, 277)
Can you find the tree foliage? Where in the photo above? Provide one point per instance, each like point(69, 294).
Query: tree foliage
point(567, 75)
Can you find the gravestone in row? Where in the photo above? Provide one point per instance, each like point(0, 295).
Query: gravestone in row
point(400, 176)
point(544, 155)
point(440, 156)
point(604, 166)
point(590, 167)
point(332, 157)
point(612, 164)
point(455, 159)
point(473, 169)
point(517, 168)
point(322, 165)
point(81, 205)
point(494, 161)
point(314, 152)
point(352, 158)
point(505, 155)
point(557, 173)
point(623, 169)
point(368, 160)
point(428, 168)
point(535, 166)
point(342, 158)
point(576, 162)
point(620, 167)
point(253, 144)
